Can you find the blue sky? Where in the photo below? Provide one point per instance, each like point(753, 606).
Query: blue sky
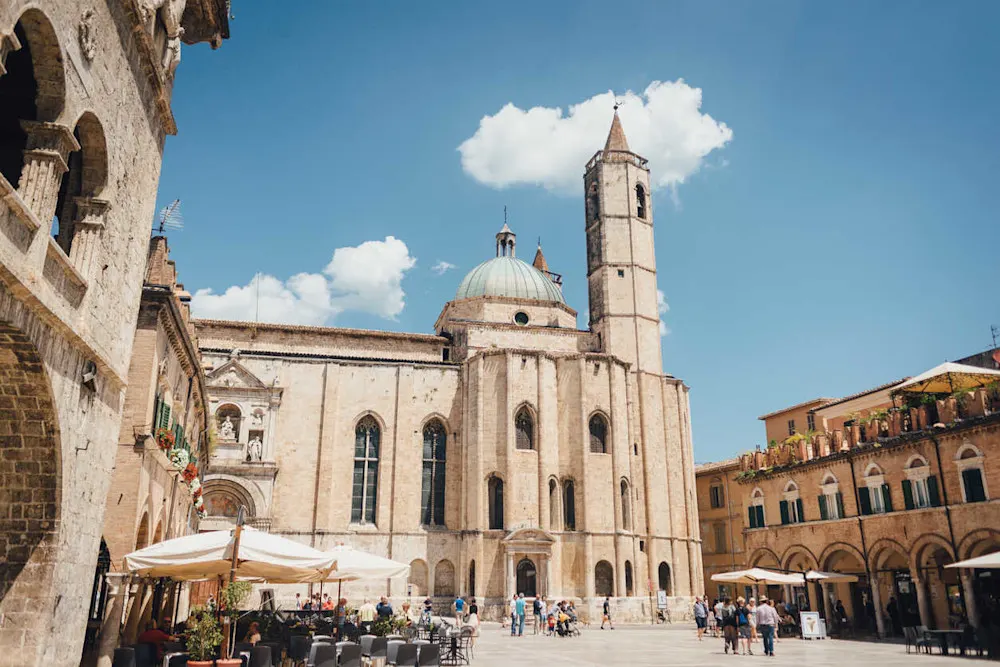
point(845, 235)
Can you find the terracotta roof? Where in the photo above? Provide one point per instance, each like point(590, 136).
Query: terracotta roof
point(715, 466)
point(887, 385)
point(824, 401)
point(539, 262)
point(616, 137)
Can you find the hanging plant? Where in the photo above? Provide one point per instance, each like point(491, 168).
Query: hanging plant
point(195, 485)
point(165, 439)
point(190, 473)
point(179, 457)
point(199, 502)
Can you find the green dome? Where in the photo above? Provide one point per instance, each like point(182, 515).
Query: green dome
point(508, 277)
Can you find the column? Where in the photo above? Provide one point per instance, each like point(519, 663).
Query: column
point(88, 225)
point(549, 588)
point(49, 146)
point(923, 604)
point(968, 590)
point(8, 43)
point(588, 567)
point(877, 601)
point(510, 577)
point(827, 606)
point(135, 611)
point(111, 626)
point(183, 602)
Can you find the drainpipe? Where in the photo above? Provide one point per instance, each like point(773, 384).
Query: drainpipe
point(319, 461)
point(864, 542)
point(729, 520)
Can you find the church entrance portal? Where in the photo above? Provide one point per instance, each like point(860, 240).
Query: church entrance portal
point(527, 578)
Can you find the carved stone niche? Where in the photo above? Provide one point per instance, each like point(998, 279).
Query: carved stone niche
point(87, 35)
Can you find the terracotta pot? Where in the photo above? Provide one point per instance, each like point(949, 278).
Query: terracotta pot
point(199, 663)
point(228, 662)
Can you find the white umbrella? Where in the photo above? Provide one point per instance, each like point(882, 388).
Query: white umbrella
point(208, 555)
point(987, 562)
point(756, 575)
point(950, 377)
point(354, 564)
point(830, 577)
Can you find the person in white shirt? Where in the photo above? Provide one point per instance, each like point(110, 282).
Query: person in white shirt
point(767, 622)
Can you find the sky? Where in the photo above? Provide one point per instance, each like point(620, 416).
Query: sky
point(825, 175)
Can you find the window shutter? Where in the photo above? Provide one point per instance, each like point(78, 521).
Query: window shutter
point(908, 494)
point(886, 498)
point(760, 516)
point(801, 512)
point(751, 511)
point(865, 499)
point(157, 407)
point(840, 504)
point(932, 491)
point(823, 513)
point(784, 511)
point(973, 480)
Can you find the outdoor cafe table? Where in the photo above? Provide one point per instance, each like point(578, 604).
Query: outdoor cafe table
point(942, 637)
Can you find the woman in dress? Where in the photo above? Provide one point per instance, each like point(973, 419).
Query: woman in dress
point(752, 617)
point(474, 619)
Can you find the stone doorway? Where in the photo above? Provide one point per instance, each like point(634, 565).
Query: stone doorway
point(527, 578)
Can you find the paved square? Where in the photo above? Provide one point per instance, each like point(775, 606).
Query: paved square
point(636, 645)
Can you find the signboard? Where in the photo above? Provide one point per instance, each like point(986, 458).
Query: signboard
point(661, 599)
point(810, 624)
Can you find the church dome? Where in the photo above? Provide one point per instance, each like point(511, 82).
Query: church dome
point(510, 277)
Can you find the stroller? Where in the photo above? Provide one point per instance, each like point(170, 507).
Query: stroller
point(570, 627)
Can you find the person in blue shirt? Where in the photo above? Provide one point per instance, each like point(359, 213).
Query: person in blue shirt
point(519, 608)
point(458, 607)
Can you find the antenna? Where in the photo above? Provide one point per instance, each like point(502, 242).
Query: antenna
point(996, 332)
point(170, 217)
point(619, 103)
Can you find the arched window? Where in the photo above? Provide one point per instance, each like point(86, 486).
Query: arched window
point(628, 578)
point(791, 506)
point(84, 178)
point(524, 426)
point(472, 578)
point(432, 488)
point(626, 513)
point(831, 502)
point(920, 488)
point(640, 200)
point(365, 490)
point(756, 509)
point(495, 491)
point(663, 577)
point(604, 579)
point(874, 496)
point(553, 504)
point(569, 505)
point(969, 461)
point(598, 434)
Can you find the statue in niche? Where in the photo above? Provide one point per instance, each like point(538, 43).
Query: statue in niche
point(226, 430)
point(257, 419)
point(255, 449)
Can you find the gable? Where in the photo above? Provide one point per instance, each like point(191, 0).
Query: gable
point(234, 375)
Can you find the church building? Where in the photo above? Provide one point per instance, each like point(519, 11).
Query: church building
point(508, 452)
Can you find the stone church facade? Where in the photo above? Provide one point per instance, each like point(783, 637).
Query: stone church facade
point(84, 112)
point(508, 452)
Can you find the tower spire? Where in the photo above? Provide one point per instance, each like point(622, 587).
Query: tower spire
point(616, 137)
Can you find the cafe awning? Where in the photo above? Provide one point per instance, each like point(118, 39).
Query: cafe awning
point(830, 577)
point(756, 575)
point(987, 562)
point(949, 377)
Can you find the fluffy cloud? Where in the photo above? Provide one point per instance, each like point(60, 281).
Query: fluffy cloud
point(662, 307)
point(541, 146)
point(364, 278)
point(441, 267)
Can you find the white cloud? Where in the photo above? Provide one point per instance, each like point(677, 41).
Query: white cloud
point(541, 146)
point(441, 267)
point(662, 307)
point(365, 278)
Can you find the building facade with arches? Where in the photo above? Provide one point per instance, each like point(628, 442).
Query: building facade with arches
point(507, 452)
point(85, 111)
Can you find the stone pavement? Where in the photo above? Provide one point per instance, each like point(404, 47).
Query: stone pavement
point(637, 645)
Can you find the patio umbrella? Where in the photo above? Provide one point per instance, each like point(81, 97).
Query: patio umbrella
point(354, 564)
point(261, 556)
point(949, 377)
point(830, 577)
point(756, 575)
point(987, 562)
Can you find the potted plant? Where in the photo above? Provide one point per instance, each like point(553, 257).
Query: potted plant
point(202, 637)
point(233, 595)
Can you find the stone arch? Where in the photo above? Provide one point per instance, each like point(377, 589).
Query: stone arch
point(495, 501)
point(827, 559)
point(223, 497)
point(873, 470)
point(526, 578)
point(555, 504)
point(626, 503)
point(598, 425)
point(788, 558)
point(604, 579)
point(916, 461)
point(418, 578)
point(94, 149)
point(972, 544)
point(242, 491)
point(432, 417)
point(829, 478)
point(30, 458)
point(791, 486)
point(38, 38)
point(231, 411)
point(967, 450)
point(629, 585)
point(142, 534)
point(664, 580)
point(444, 578)
point(158, 533)
point(881, 549)
point(525, 427)
point(925, 546)
point(84, 178)
point(760, 557)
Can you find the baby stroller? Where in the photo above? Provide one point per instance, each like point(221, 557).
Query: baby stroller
point(570, 627)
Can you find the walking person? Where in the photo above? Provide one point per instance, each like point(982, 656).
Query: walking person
point(767, 622)
point(717, 609)
point(752, 617)
point(519, 608)
point(513, 615)
point(474, 620)
point(729, 625)
point(458, 608)
point(538, 609)
point(366, 617)
point(606, 613)
point(700, 617)
point(743, 625)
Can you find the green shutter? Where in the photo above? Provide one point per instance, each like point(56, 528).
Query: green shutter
point(864, 498)
point(886, 498)
point(157, 406)
point(760, 516)
point(908, 494)
point(164, 417)
point(823, 513)
point(974, 490)
point(932, 490)
point(840, 504)
point(801, 510)
point(783, 505)
point(753, 516)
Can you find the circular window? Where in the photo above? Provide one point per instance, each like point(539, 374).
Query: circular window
point(521, 317)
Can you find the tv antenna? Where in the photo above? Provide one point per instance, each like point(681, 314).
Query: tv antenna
point(996, 332)
point(619, 103)
point(170, 217)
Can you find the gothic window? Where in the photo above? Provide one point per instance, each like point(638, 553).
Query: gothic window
point(626, 514)
point(604, 579)
point(640, 200)
point(472, 578)
point(628, 579)
point(663, 577)
point(524, 426)
point(553, 503)
point(365, 488)
point(495, 491)
point(432, 492)
point(569, 505)
point(598, 434)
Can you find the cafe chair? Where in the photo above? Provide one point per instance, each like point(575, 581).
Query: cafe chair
point(325, 655)
point(406, 655)
point(350, 656)
point(124, 657)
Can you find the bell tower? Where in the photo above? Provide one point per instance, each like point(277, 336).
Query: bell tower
point(621, 262)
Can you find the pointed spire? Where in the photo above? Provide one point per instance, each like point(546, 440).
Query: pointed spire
point(616, 137)
point(539, 262)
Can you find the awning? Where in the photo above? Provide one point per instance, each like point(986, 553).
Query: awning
point(354, 564)
point(830, 577)
point(756, 575)
point(987, 562)
point(949, 377)
point(262, 556)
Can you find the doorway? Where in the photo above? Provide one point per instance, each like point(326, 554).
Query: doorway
point(527, 578)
